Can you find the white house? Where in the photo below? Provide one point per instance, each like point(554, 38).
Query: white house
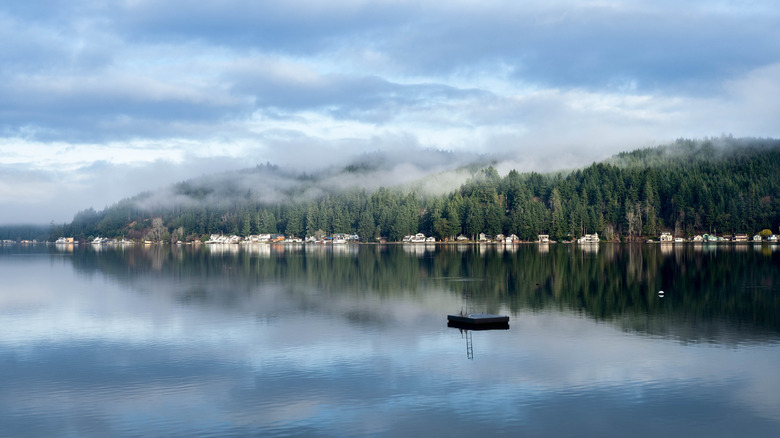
point(589, 238)
point(417, 238)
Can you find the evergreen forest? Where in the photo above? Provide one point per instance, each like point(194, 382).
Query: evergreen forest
point(723, 185)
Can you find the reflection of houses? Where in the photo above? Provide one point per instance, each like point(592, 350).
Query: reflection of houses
point(589, 238)
point(544, 238)
point(666, 237)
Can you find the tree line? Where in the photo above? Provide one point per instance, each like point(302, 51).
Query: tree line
point(689, 187)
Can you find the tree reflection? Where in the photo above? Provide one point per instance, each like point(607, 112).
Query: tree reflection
point(735, 285)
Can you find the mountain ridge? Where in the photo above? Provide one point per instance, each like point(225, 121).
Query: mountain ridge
point(687, 186)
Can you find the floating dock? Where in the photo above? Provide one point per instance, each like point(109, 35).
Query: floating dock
point(477, 321)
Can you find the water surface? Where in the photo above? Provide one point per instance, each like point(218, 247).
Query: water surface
point(352, 341)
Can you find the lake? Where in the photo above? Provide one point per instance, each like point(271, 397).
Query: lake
point(352, 340)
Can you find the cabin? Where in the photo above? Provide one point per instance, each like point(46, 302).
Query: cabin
point(483, 237)
point(430, 239)
point(772, 238)
point(698, 238)
point(666, 237)
point(461, 238)
point(512, 239)
point(544, 238)
point(740, 237)
point(757, 238)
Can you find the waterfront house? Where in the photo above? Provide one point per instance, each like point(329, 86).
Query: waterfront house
point(543, 238)
point(589, 238)
point(666, 237)
point(417, 238)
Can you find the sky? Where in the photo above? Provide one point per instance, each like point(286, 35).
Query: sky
point(101, 100)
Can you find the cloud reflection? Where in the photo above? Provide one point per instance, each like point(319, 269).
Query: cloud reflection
point(128, 355)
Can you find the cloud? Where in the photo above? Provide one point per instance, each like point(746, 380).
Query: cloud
point(307, 85)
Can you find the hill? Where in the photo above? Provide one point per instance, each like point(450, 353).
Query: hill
point(722, 185)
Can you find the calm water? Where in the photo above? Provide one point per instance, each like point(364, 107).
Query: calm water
point(352, 341)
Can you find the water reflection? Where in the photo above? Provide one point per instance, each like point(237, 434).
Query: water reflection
point(608, 282)
point(314, 340)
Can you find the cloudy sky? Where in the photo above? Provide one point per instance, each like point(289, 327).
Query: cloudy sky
point(100, 100)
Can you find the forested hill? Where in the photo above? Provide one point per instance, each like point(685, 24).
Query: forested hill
point(722, 185)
